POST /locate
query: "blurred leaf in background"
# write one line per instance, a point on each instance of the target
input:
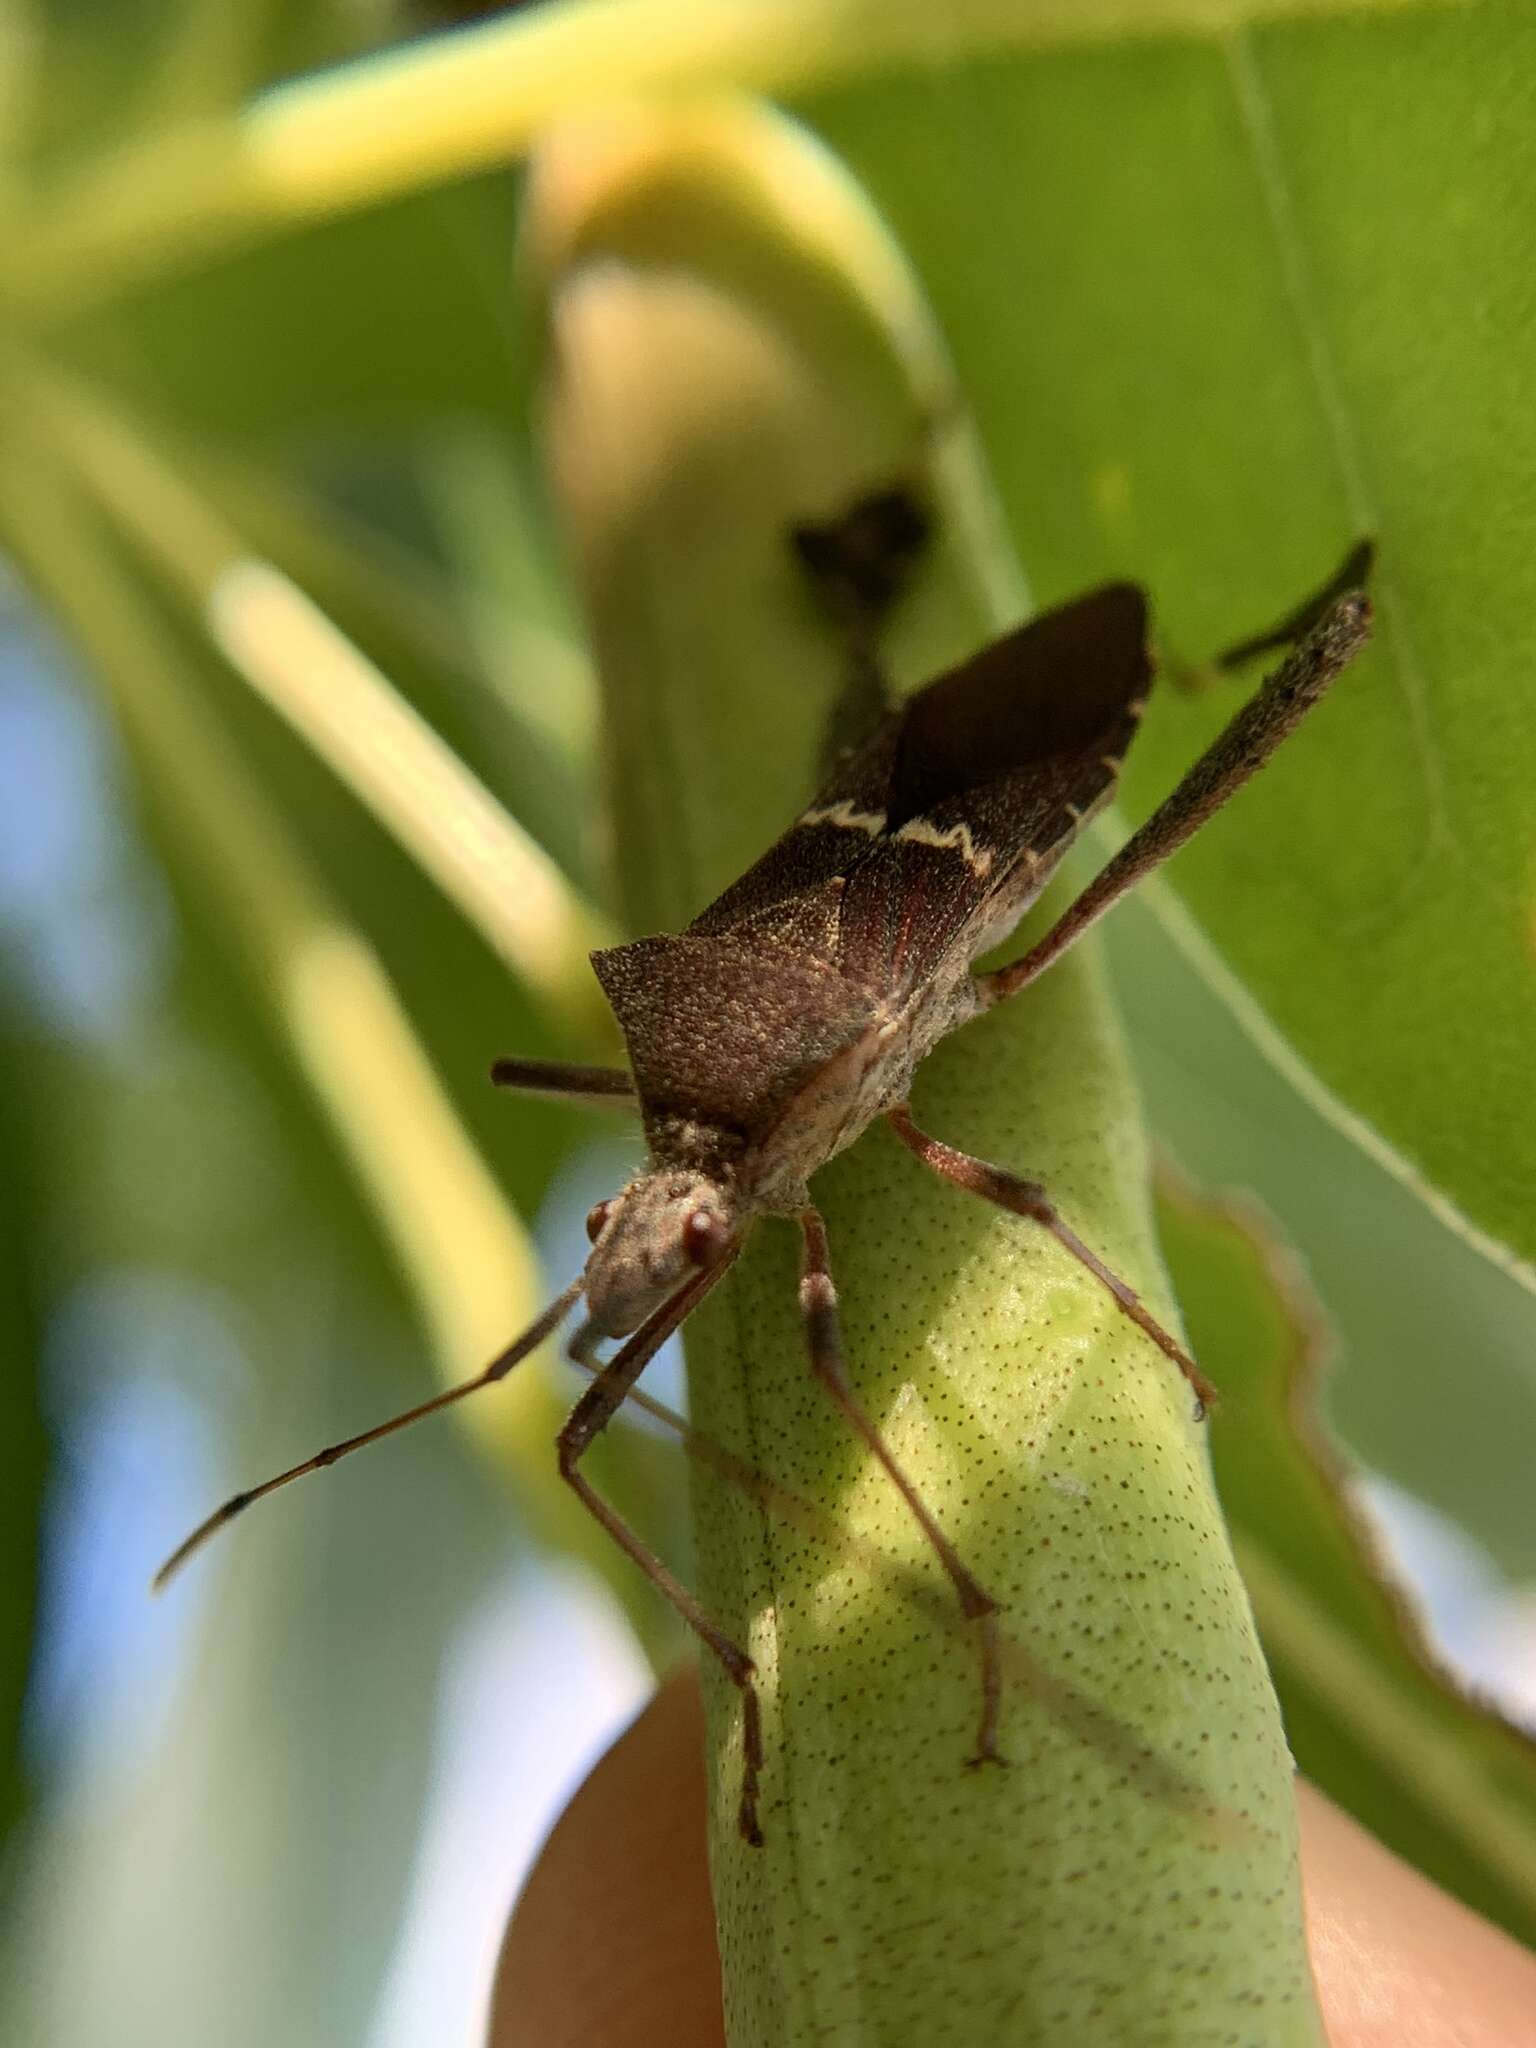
(219, 1221)
(1219, 307)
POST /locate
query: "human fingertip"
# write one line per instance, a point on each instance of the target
(613, 1936)
(1398, 1962)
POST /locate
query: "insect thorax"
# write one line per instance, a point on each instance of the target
(691, 1145)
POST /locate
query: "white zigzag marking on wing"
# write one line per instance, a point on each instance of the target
(921, 833)
(843, 813)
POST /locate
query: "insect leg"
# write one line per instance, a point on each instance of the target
(861, 562)
(818, 1304)
(860, 565)
(1028, 1198)
(585, 1422)
(607, 1085)
(1237, 752)
(1353, 573)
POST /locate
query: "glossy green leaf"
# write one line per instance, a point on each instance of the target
(1242, 311)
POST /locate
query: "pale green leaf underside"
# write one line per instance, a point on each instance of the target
(1371, 1715)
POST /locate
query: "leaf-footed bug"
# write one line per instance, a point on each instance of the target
(795, 1008)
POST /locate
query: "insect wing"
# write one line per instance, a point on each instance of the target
(1046, 696)
(995, 768)
(723, 1032)
(951, 818)
(787, 893)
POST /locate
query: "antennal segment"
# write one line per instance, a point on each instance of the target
(498, 1368)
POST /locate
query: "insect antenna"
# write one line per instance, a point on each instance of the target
(499, 1366)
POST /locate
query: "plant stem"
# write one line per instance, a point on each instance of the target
(733, 347)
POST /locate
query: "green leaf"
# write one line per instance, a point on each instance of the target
(251, 1148)
(464, 1253)
(1371, 1714)
(317, 340)
(1435, 1379)
(735, 346)
(242, 1796)
(1243, 311)
(1220, 305)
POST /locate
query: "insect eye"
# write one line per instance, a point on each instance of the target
(704, 1236)
(597, 1216)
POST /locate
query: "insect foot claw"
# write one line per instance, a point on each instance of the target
(987, 1756)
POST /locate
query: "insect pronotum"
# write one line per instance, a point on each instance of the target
(795, 1008)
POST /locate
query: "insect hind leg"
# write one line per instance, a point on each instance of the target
(818, 1306)
(1028, 1198)
(1353, 573)
(583, 1425)
(861, 562)
(860, 565)
(1233, 757)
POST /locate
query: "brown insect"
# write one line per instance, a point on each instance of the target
(795, 1009)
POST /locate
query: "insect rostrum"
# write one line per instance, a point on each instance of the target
(795, 1008)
